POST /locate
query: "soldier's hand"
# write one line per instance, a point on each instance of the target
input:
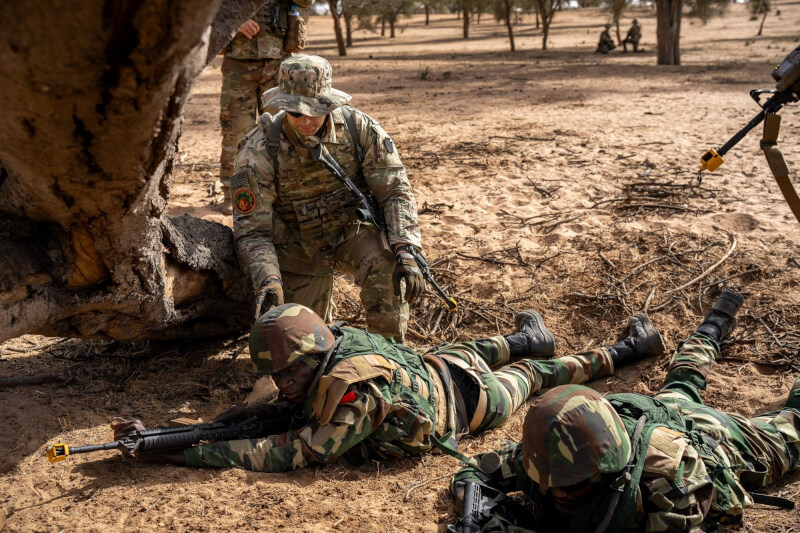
(249, 29)
(268, 296)
(406, 268)
(235, 412)
(125, 428)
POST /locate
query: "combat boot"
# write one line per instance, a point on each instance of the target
(720, 321)
(644, 340)
(226, 206)
(531, 338)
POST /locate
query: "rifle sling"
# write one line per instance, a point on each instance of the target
(769, 144)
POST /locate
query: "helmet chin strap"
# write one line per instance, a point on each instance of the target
(323, 364)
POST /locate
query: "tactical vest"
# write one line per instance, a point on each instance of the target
(411, 419)
(309, 197)
(630, 408)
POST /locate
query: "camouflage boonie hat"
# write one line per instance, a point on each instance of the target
(287, 334)
(304, 86)
(570, 434)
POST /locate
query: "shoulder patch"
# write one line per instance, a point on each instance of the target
(244, 200)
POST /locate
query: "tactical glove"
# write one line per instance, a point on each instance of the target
(268, 296)
(407, 269)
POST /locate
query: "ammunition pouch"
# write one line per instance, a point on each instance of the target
(296, 38)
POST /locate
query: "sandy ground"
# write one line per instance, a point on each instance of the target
(558, 180)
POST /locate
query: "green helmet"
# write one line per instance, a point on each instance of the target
(571, 434)
(287, 334)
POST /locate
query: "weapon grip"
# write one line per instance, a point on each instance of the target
(471, 512)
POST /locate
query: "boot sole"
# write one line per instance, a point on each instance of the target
(538, 324)
(658, 346)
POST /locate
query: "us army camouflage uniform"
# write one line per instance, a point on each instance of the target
(249, 67)
(691, 481)
(377, 400)
(303, 226)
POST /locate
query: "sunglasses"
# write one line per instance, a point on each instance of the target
(295, 114)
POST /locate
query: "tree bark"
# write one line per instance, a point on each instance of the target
(465, 24)
(427, 14)
(391, 29)
(91, 117)
(337, 28)
(348, 29)
(668, 31)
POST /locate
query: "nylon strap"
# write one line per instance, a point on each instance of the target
(351, 126)
(777, 164)
(774, 501)
(274, 141)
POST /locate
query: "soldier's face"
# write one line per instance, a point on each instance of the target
(307, 126)
(294, 381)
(569, 498)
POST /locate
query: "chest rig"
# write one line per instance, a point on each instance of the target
(309, 197)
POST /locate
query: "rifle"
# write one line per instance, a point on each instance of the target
(175, 438)
(369, 211)
(786, 91)
(479, 505)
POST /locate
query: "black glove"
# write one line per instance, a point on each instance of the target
(407, 269)
(268, 296)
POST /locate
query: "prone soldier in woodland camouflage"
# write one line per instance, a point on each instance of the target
(294, 222)
(250, 67)
(358, 395)
(606, 43)
(630, 462)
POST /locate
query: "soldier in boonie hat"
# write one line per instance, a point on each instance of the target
(304, 86)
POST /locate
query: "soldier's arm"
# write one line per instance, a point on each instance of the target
(386, 177)
(352, 421)
(253, 194)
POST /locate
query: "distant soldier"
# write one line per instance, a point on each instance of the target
(356, 395)
(295, 223)
(250, 67)
(606, 43)
(630, 462)
(633, 37)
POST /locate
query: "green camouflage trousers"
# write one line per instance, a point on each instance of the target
(500, 393)
(365, 258)
(763, 448)
(243, 82)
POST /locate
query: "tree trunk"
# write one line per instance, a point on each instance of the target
(537, 19)
(761, 27)
(383, 26)
(337, 28)
(348, 28)
(91, 117)
(465, 24)
(507, 4)
(391, 29)
(668, 31)
(427, 14)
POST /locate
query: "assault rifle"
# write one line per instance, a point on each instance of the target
(786, 91)
(369, 211)
(176, 438)
(479, 506)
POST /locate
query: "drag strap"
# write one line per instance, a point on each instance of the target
(772, 126)
(774, 501)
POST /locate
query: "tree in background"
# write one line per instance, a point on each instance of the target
(547, 9)
(617, 7)
(668, 31)
(337, 26)
(706, 9)
(391, 10)
(759, 7)
(503, 12)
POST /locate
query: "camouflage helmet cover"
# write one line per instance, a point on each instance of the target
(304, 86)
(287, 334)
(570, 434)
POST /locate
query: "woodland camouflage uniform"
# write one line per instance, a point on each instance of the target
(376, 399)
(695, 464)
(249, 67)
(301, 224)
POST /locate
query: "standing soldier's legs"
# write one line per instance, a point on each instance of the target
(372, 266)
(312, 291)
(238, 105)
(268, 80)
(492, 397)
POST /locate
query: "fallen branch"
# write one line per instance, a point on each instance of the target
(33, 380)
(423, 483)
(708, 270)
